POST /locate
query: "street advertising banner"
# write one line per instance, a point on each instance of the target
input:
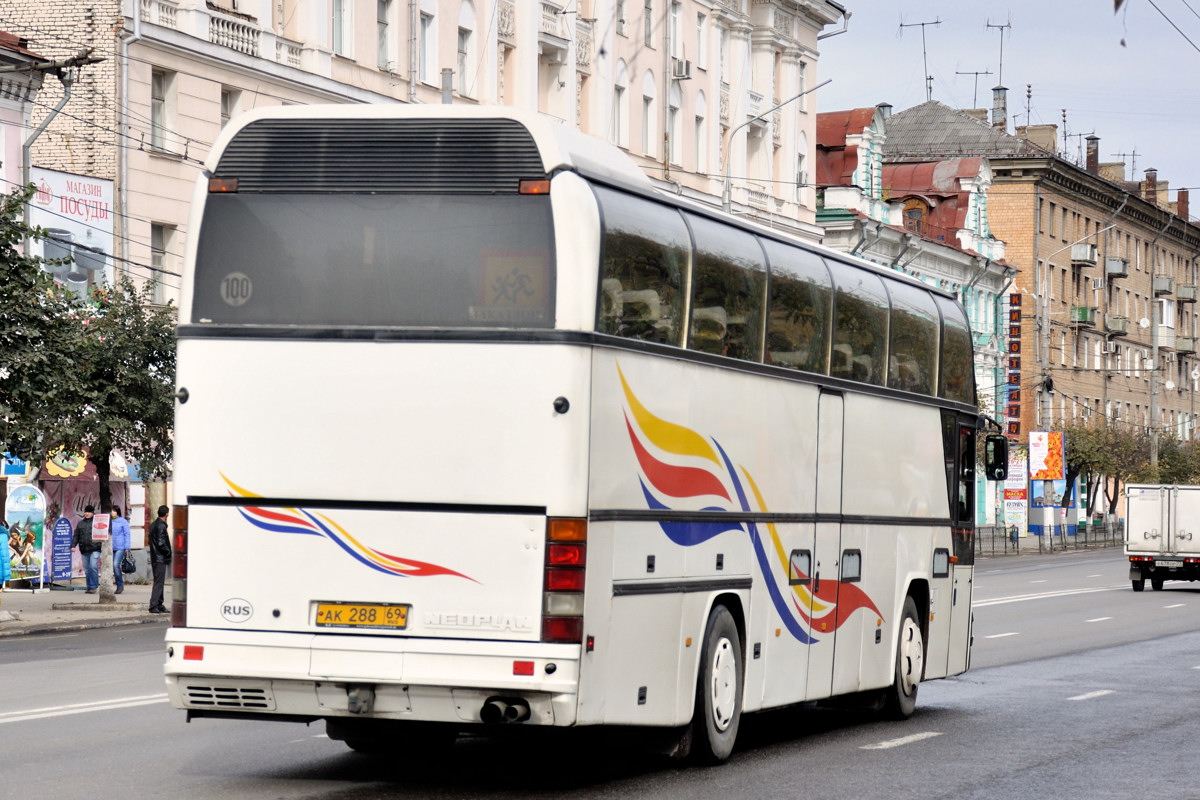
(76, 210)
(1016, 493)
(100, 522)
(60, 550)
(1046, 455)
(25, 511)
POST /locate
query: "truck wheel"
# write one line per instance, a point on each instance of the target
(1139, 584)
(718, 690)
(1156, 584)
(901, 700)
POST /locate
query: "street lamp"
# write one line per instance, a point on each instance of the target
(727, 193)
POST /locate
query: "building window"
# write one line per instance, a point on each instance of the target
(160, 243)
(621, 18)
(340, 27)
(648, 125)
(162, 108)
(230, 99)
(425, 48)
(675, 125)
(915, 212)
(676, 31)
(648, 23)
(464, 42)
(618, 117)
(701, 145)
(702, 41)
(383, 49)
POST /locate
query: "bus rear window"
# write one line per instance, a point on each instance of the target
(376, 260)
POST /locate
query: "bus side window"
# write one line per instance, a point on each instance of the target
(642, 267)
(957, 369)
(860, 325)
(728, 291)
(798, 317)
(913, 339)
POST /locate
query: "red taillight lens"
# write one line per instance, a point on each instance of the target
(566, 555)
(564, 580)
(562, 629)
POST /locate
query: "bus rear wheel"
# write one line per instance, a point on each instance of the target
(718, 689)
(901, 699)
(1156, 584)
(1139, 584)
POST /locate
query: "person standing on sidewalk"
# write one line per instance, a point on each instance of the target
(89, 550)
(122, 540)
(160, 559)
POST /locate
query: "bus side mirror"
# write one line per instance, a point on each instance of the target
(995, 457)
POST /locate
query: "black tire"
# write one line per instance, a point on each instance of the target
(901, 699)
(719, 689)
(1156, 584)
(1138, 584)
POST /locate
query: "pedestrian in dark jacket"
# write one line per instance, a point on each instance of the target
(160, 559)
(89, 551)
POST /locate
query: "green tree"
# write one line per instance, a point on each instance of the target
(1106, 456)
(40, 341)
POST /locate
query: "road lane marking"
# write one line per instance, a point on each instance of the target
(1092, 695)
(1041, 581)
(889, 744)
(1002, 635)
(1020, 598)
(1175, 605)
(1099, 619)
(81, 708)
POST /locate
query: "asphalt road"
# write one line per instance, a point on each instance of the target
(1080, 689)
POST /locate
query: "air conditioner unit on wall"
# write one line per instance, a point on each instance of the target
(1112, 347)
(1097, 283)
(681, 69)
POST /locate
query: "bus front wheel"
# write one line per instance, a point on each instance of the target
(901, 699)
(718, 690)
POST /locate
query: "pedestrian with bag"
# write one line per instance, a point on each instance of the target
(89, 551)
(121, 542)
(160, 559)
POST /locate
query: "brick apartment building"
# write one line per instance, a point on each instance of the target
(1102, 316)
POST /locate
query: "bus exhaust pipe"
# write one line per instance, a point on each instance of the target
(503, 710)
(517, 711)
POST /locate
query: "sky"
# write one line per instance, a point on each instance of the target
(1131, 77)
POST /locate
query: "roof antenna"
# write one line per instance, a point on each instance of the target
(924, 54)
(1002, 28)
(975, 96)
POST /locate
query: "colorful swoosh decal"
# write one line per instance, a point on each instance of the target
(304, 522)
(679, 468)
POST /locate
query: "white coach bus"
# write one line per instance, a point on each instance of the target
(477, 428)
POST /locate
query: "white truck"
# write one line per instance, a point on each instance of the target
(1161, 526)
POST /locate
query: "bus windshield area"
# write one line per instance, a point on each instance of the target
(383, 260)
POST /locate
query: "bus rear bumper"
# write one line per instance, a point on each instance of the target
(213, 673)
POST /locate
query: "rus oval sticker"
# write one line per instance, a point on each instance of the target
(236, 609)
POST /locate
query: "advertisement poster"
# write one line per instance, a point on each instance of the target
(77, 212)
(1046, 455)
(1016, 493)
(67, 498)
(61, 550)
(25, 511)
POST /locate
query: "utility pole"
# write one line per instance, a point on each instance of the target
(924, 54)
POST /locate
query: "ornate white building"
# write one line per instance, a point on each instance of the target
(703, 94)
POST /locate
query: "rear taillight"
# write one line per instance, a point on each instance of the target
(562, 597)
(179, 567)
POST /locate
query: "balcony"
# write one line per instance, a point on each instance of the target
(1083, 316)
(1116, 267)
(1116, 325)
(1185, 344)
(1186, 293)
(1083, 255)
(1163, 284)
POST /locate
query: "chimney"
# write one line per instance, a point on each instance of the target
(1000, 108)
(1093, 155)
(1181, 204)
(1150, 186)
(885, 110)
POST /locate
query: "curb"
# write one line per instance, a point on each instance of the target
(34, 630)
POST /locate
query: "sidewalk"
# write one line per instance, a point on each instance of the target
(23, 612)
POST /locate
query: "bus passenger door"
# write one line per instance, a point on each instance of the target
(954, 572)
(830, 418)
